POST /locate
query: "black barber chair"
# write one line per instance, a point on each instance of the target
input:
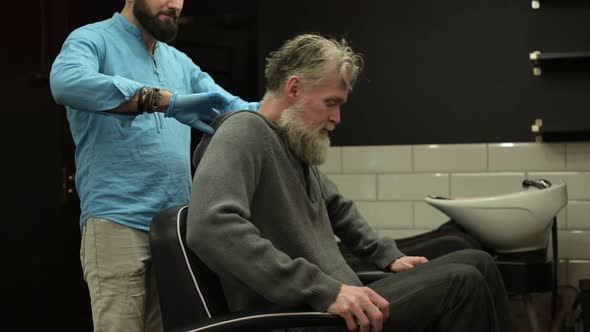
(191, 297)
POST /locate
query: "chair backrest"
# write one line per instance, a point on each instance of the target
(189, 291)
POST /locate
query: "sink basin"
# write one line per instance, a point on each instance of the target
(507, 223)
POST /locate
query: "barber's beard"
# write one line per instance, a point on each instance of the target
(311, 145)
(164, 31)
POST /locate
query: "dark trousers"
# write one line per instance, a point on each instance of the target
(460, 291)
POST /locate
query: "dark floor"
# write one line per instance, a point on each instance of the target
(563, 322)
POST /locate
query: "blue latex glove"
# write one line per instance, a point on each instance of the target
(194, 109)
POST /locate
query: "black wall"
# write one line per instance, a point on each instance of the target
(454, 71)
(40, 237)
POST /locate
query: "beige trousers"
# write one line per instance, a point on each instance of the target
(116, 264)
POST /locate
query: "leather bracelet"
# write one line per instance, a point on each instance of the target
(155, 101)
(141, 99)
(148, 100)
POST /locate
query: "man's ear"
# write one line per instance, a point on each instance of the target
(293, 87)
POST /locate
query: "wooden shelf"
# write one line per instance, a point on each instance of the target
(549, 133)
(566, 60)
(536, 4)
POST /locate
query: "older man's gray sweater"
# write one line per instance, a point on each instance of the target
(265, 222)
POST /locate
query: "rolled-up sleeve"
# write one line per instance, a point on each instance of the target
(76, 80)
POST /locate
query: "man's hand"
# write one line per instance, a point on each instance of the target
(406, 263)
(195, 109)
(360, 307)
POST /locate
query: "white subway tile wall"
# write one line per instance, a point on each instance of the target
(378, 159)
(574, 244)
(357, 186)
(333, 163)
(389, 184)
(452, 157)
(412, 186)
(577, 157)
(578, 215)
(562, 219)
(387, 215)
(526, 157)
(426, 216)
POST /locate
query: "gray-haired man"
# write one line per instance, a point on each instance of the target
(266, 220)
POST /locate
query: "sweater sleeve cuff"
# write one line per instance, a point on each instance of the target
(388, 256)
(324, 292)
(386, 260)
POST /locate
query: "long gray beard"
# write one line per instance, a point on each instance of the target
(310, 145)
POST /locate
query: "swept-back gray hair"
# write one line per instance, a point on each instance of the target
(310, 56)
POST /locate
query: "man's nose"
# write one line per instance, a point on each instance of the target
(175, 4)
(335, 116)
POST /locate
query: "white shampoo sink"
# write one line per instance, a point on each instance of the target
(508, 223)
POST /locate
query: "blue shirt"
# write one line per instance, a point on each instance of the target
(128, 168)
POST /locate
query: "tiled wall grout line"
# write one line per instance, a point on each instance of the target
(450, 175)
(341, 152)
(566, 155)
(377, 184)
(412, 159)
(413, 214)
(487, 157)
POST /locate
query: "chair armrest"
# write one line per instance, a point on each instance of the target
(368, 277)
(268, 318)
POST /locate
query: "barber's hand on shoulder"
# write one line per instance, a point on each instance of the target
(196, 109)
(406, 263)
(361, 307)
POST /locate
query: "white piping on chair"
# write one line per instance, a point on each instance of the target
(187, 261)
(283, 314)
